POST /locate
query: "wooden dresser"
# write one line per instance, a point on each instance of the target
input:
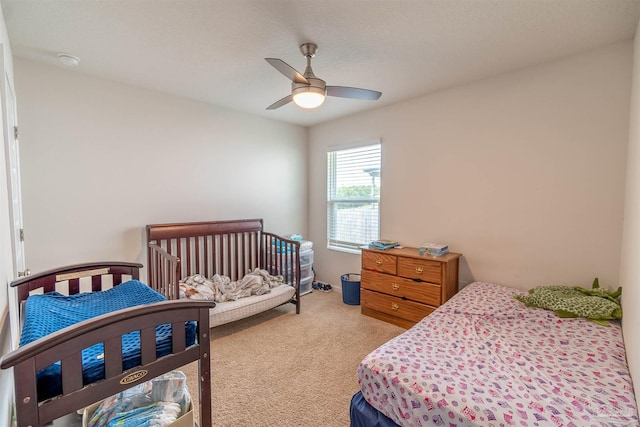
(400, 286)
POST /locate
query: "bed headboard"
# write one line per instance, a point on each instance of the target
(231, 248)
(94, 272)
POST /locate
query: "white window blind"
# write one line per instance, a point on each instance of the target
(353, 196)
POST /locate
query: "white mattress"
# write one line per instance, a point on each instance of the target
(230, 311)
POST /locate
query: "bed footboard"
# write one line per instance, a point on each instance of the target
(67, 344)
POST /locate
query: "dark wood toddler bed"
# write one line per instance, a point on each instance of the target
(67, 345)
(230, 248)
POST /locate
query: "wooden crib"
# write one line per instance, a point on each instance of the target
(67, 344)
(231, 248)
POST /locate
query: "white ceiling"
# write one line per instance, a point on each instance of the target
(213, 50)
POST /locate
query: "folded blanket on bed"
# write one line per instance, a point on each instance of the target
(51, 312)
(221, 289)
(595, 304)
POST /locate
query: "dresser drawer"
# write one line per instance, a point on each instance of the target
(378, 262)
(423, 292)
(393, 306)
(422, 269)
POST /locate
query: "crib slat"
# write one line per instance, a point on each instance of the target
(196, 243)
(187, 249)
(178, 252)
(74, 286)
(155, 268)
(148, 345)
(117, 279)
(178, 337)
(71, 368)
(262, 252)
(227, 268)
(255, 249)
(246, 254)
(237, 259)
(215, 245)
(96, 283)
(238, 255)
(113, 357)
(207, 268)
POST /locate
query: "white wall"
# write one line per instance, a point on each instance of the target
(6, 260)
(629, 265)
(100, 160)
(523, 173)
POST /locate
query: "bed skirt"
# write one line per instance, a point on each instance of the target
(365, 415)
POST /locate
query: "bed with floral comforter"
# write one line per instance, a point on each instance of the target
(486, 359)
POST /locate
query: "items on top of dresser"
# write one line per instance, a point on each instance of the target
(383, 244)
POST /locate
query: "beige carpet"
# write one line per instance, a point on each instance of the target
(282, 369)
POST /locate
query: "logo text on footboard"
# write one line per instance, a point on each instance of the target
(133, 377)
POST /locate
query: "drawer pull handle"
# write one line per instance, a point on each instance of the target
(378, 262)
(395, 286)
(395, 306)
(419, 270)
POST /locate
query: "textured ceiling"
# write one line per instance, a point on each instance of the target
(213, 50)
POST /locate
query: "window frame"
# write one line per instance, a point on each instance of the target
(333, 243)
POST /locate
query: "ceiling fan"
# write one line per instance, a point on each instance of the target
(309, 91)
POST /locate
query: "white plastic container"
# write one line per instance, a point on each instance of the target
(306, 257)
(305, 285)
(306, 272)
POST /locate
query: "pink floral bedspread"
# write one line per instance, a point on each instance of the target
(484, 359)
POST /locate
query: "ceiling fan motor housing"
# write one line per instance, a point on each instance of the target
(315, 85)
(308, 49)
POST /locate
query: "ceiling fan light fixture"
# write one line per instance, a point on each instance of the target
(309, 95)
(308, 99)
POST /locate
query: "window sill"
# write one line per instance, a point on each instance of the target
(347, 250)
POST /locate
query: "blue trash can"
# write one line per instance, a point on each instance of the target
(351, 288)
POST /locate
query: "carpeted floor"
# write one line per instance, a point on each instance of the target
(282, 369)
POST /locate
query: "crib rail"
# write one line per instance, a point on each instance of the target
(164, 272)
(67, 344)
(281, 257)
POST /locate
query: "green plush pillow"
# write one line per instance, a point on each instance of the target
(595, 304)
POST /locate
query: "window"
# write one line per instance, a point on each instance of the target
(353, 196)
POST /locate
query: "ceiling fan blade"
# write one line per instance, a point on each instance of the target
(353, 92)
(287, 99)
(287, 70)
